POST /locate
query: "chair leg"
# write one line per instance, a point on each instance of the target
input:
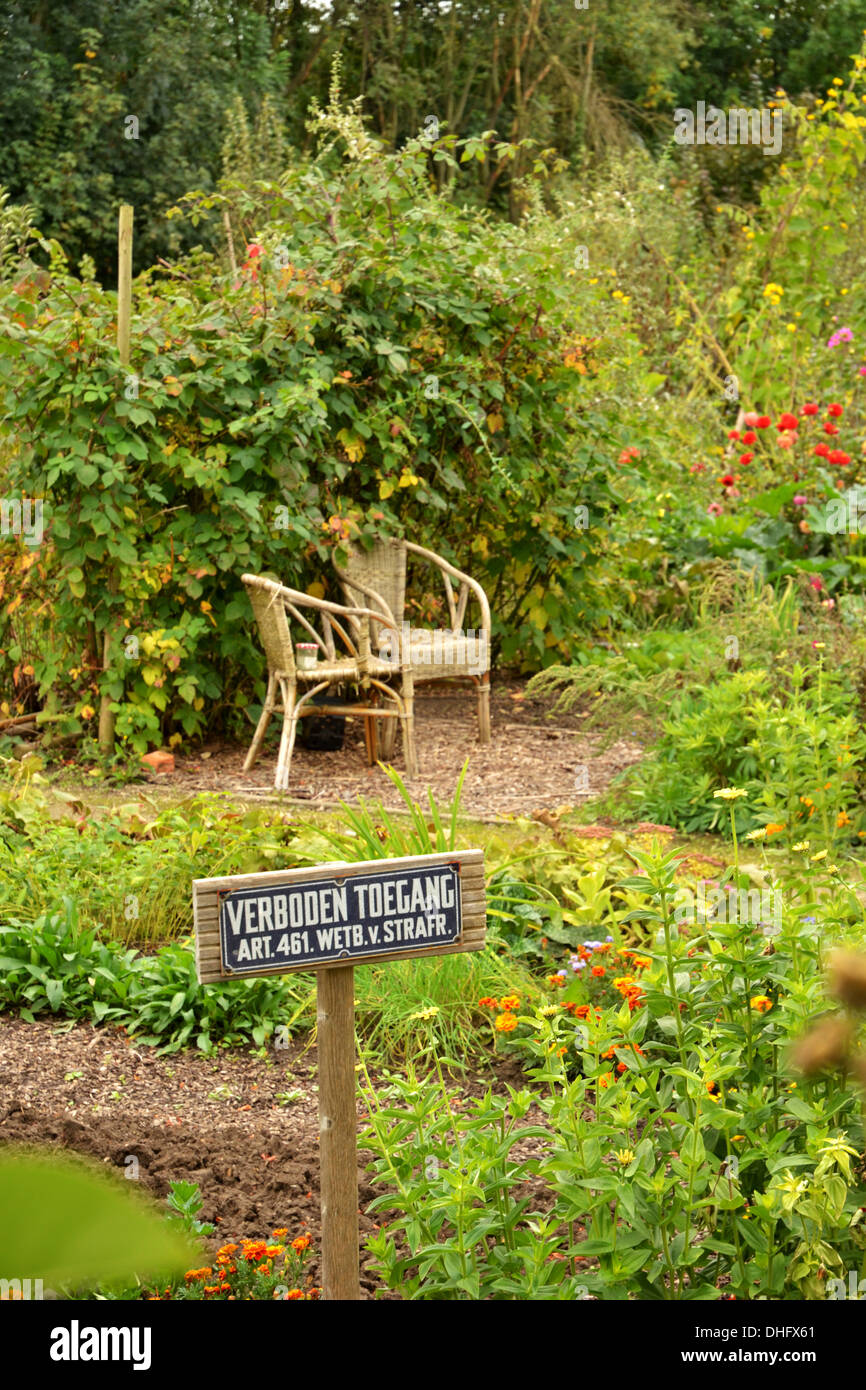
(261, 727)
(387, 737)
(407, 720)
(484, 708)
(287, 739)
(370, 739)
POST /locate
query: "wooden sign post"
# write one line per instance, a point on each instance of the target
(328, 919)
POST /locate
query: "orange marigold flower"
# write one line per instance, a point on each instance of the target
(294, 1294)
(761, 1003)
(263, 1269)
(598, 971)
(485, 1003)
(581, 1010)
(506, 1023)
(284, 1230)
(254, 1250)
(301, 1243)
(274, 1250)
(509, 1002)
(843, 819)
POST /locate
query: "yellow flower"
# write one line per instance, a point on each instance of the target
(822, 854)
(729, 793)
(759, 834)
(430, 1012)
(625, 1156)
(549, 1010)
(801, 845)
(761, 1004)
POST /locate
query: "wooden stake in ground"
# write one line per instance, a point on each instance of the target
(330, 918)
(124, 316)
(335, 1016)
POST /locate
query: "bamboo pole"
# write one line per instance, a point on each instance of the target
(124, 281)
(337, 1133)
(124, 316)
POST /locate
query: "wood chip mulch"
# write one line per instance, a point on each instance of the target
(533, 762)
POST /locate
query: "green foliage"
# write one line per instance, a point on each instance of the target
(797, 751)
(676, 1160)
(64, 1223)
(54, 966)
(387, 360)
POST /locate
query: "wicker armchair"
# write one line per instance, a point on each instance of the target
(378, 576)
(272, 605)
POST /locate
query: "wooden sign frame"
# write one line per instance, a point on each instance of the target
(209, 892)
(335, 1015)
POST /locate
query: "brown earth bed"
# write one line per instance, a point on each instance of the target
(214, 1121)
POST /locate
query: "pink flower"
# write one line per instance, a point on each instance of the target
(786, 441)
(800, 500)
(714, 509)
(828, 603)
(698, 468)
(842, 335)
(816, 582)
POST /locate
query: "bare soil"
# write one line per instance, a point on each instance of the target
(225, 1123)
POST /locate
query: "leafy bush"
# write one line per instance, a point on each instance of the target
(797, 753)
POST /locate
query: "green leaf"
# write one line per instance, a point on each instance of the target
(65, 1223)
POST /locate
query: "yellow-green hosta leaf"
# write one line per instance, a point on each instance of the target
(64, 1223)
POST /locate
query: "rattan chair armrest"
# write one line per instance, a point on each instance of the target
(455, 573)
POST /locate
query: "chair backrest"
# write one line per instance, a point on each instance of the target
(382, 569)
(270, 613)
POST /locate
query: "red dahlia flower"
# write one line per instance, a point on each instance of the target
(834, 409)
(830, 429)
(822, 450)
(750, 437)
(787, 422)
(733, 434)
(746, 458)
(838, 456)
(763, 422)
(810, 408)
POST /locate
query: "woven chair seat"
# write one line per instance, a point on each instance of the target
(440, 654)
(346, 670)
